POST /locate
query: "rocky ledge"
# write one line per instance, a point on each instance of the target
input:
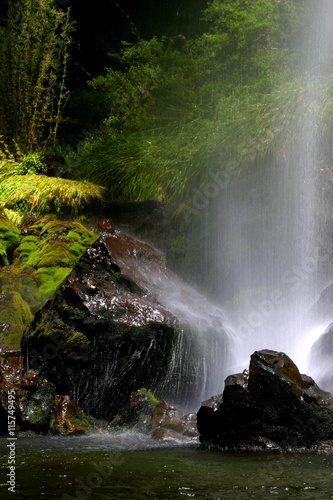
(271, 406)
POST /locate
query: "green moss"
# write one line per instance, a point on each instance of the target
(150, 395)
(48, 279)
(31, 434)
(10, 237)
(15, 315)
(52, 248)
(27, 248)
(43, 328)
(77, 346)
(57, 244)
(3, 256)
(52, 422)
(20, 281)
(42, 259)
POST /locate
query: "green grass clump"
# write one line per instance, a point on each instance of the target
(39, 194)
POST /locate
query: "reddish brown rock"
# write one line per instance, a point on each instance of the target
(107, 225)
(68, 417)
(169, 421)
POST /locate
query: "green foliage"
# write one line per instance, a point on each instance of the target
(10, 238)
(179, 111)
(252, 40)
(39, 194)
(34, 42)
(32, 164)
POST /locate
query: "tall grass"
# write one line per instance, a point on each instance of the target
(38, 194)
(171, 161)
(34, 41)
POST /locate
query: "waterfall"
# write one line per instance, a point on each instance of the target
(274, 250)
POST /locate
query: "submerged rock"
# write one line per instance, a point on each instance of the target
(277, 405)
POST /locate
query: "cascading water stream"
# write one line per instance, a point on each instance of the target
(276, 255)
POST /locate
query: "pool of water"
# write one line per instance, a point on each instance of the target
(134, 467)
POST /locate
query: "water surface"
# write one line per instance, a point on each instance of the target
(133, 467)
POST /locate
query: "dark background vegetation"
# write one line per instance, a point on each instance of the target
(163, 96)
(102, 25)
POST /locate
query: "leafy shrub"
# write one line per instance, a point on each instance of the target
(32, 164)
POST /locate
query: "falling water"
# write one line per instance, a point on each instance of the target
(272, 242)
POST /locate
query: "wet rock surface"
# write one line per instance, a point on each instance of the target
(144, 413)
(38, 408)
(36, 398)
(69, 418)
(276, 407)
(101, 336)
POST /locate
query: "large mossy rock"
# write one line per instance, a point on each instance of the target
(101, 336)
(275, 403)
(36, 260)
(51, 247)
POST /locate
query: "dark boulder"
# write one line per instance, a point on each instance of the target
(276, 405)
(56, 165)
(36, 400)
(101, 336)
